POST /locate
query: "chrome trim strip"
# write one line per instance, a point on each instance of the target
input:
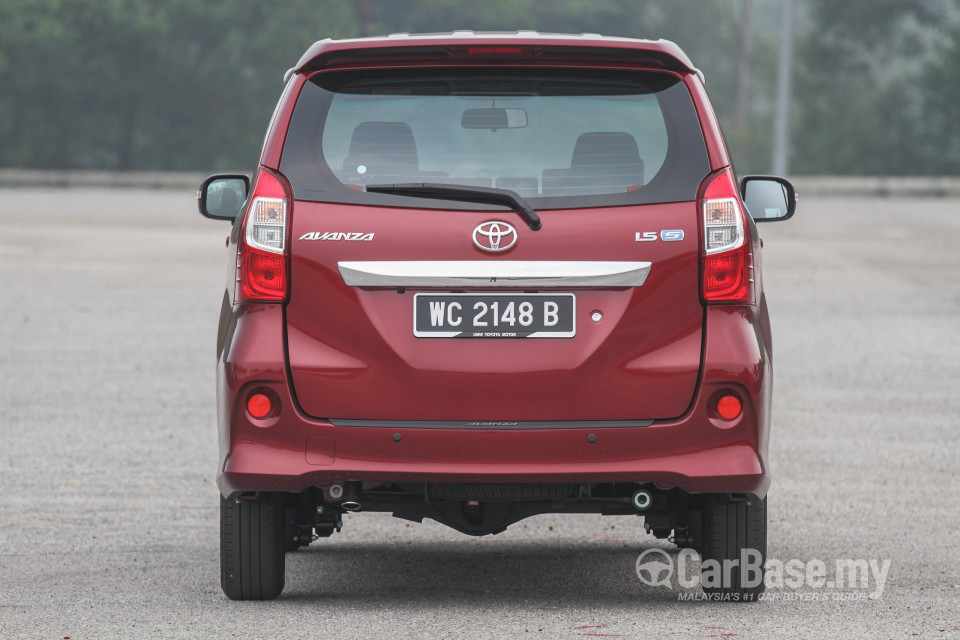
(491, 426)
(493, 273)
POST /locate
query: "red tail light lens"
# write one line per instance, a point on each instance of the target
(728, 257)
(726, 277)
(262, 260)
(263, 276)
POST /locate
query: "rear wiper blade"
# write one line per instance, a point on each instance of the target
(464, 193)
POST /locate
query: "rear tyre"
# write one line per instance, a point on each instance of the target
(734, 548)
(251, 548)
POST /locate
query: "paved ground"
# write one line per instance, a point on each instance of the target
(108, 518)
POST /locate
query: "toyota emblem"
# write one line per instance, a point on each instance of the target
(495, 236)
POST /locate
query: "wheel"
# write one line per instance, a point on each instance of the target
(734, 548)
(251, 548)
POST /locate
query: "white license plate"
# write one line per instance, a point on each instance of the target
(494, 315)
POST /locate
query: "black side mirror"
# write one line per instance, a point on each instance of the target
(222, 196)
(768, 198)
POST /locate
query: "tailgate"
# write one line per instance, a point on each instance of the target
(597, 345)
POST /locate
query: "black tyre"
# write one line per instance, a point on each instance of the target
(734, 548)
(251, 548)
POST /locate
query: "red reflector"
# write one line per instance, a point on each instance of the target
(729, 407)
(259, 405)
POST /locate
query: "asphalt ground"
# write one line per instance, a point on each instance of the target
(108, 509)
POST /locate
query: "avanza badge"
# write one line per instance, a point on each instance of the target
(337, 235)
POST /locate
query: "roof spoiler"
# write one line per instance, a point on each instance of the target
(492, 48)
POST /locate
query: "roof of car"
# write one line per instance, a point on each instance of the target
(399, 47)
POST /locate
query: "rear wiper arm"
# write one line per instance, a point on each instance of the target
(464, 193)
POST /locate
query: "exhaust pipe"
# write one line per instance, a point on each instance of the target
(642, 500)
(351, 496)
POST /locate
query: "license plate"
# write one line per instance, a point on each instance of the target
(494, 315)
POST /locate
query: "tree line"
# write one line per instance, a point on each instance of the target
(185, 85)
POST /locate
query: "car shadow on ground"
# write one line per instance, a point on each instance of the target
(529, 573)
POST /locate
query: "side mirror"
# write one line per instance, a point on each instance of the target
(768, 198)
(222, 196)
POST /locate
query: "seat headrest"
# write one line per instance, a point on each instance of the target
(605, 148)
(392, 141)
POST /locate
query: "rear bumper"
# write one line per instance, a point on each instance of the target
(735, 468)
(697, 452)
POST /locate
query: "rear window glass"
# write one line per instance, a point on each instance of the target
(560, 138)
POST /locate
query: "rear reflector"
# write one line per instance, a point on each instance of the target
(729, 407)
(259, 406)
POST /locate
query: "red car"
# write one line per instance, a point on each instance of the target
(480, 277)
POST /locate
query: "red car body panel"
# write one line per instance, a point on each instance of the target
(641, 361)
(696, 452)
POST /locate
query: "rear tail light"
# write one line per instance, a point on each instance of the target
(262, 260)
(727, 274)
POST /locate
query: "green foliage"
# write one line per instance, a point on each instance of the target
(180, 84)
(939, 125)
(139, 84)
(871, 82)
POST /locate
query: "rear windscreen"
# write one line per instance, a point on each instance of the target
(559, 138)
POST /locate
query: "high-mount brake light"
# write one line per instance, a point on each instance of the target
(728, 256)
(493, 50)
(262, 263)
